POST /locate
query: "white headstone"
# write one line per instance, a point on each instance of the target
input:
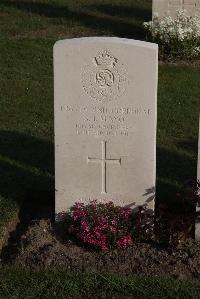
(197, 228)
(163, 8)
(105, 121)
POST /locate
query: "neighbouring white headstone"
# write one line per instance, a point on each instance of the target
(163, 8)
(105, 121)
(197, 228)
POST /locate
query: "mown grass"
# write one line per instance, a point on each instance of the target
(56, 19)
(28, 30)
(18, 283)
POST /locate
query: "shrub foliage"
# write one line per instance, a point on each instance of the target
(178, 37)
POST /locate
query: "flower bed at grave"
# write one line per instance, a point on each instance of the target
(42, 245)
(177, 38)
(106, 226)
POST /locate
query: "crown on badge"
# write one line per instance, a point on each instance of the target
(105, 58)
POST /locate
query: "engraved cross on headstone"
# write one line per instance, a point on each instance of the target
(103, 162)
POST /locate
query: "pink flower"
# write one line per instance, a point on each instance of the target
(104, 246)
(113, 229)
(100, 225)
(114, 222)
(125, 213)
(85, 226)
(124, 242)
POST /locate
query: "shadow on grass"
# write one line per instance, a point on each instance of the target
(27, 170)
(188, 145)
(42, 9)
(134, 11)
(26, 178)
(174, 169)
(109, 19)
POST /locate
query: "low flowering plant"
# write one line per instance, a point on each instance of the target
(101, 225)
(178, 37)
(106, 226)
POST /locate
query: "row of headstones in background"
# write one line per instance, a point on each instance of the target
(105, 121)
(163, 8)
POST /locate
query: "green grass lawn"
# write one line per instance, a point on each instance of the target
(28, 30)
(16, 283)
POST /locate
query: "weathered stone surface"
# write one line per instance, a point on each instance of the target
(105, 121)
(163, 8)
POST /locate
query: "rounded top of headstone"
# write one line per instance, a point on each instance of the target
(106, 39)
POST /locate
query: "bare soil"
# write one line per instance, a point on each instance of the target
(38, 244)
(41, 248)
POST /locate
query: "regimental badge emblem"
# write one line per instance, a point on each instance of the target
(105, 78)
